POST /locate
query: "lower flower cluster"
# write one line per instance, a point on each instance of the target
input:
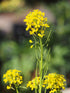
(53, 82)
(34, 83)
(12, 77)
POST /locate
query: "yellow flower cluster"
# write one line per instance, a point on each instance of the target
(12, 77)
(52, 81)
(36, 22)
(34, 83)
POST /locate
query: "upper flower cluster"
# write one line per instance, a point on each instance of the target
(12, 77)
(36, 22)
(52, 81)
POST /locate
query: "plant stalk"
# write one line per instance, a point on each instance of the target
(17, 90)
(40, 68)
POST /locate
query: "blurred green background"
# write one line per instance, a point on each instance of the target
(15, 52)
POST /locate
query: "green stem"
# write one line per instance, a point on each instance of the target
(45, 90)
(17, 90)
(41, 46)
(37, 63)
(36, 67)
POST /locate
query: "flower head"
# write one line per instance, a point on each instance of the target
(30, 41)
(34, 83)
(36, 22)
(54, 82)
(31, 46)
(12, 77)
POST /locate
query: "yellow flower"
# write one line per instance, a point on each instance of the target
(4, 75)
(30, 41)
(8, 87)
(53, 91)
(43, 85)
(5, 80)
(31, 32)
(40, 35)
(42, 31)
(31, 46)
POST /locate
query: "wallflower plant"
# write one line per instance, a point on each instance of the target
(36, 23)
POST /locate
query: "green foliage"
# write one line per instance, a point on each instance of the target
(8, 49)
(60, 39)
(58, 62)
